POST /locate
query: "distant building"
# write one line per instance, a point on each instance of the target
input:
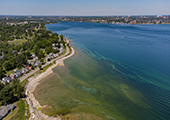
(133, 22)
(25, 22)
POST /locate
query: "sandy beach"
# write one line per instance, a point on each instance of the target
(34, 105)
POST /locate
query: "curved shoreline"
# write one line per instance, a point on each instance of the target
(34, 105)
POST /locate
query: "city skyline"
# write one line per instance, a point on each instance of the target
(84, 8)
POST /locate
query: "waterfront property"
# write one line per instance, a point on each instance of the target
(6, 79)
(5, 110)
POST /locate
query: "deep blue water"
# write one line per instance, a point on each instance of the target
(141, 53)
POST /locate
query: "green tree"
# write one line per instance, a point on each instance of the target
(48, 49)
(28, 55)
(2, 72)
(7, 65)
(40, 54)
(56, 51)
(17, 88)
(32, 68)
(40, 67)
(62, 37)
(11, 92)
(6, 95)
(42, 60)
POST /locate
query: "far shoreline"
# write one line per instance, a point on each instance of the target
(115, 23)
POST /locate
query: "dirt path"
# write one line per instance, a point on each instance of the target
(31, 86)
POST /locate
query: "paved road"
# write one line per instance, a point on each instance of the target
(36, 69)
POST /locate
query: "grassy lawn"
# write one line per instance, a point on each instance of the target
(21, 40)
(19, 112)
(9, 72)
(24, 82)
(18, 42)
(45, 68)
(70, 50)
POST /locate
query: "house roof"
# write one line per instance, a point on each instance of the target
(7, 78)
(4, 110)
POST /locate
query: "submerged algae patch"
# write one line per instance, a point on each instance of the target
(85, 86)
(90, 90)
(134, 95)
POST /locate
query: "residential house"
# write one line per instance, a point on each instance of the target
(52, 57)
(36, 58)
(25, 22)
(7, 79)
(38, 63)
(18, 73)
(61, 50)
(13, 52)
(31, 63)
(48, 58)
(30, 68)
(24, 71)
(54, 47)
(5, 110)
(27, 69)
(59, 40)
(56, 55)
(1, 57)
(33, 55)
(61, 44)
(50, 54)
(13, 76)
(15, 70)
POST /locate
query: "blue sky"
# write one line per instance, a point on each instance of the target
(84, 7)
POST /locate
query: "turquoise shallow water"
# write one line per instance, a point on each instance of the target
(131, 70)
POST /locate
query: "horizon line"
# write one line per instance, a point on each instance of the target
(86, 15)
